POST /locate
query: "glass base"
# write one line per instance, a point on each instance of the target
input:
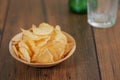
(101, 25)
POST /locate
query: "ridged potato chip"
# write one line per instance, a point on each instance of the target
(15, 50)
(23, 44)
(43, 57)
(32, 36)
(30, 43)
(56, 49)
(59, 35)
(42, 42)
(67, 49)
(25, 53)
(43, 29)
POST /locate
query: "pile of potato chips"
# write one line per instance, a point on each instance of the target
(42, 44)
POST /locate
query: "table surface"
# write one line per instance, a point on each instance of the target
(97, 56)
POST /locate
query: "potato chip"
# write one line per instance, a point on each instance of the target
(68, 47)
(59, 35)
(23, 44)
(25, 38)
(30, 43)
(16, 39)
(15, 50)
(42, 42)
(56, 49)
(21, 56)
(25, 53)
(43, 57)
(43, 29)
(32, 36)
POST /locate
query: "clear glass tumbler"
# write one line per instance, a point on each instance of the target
(102, 13)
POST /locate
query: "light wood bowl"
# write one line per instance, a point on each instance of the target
(19, 35)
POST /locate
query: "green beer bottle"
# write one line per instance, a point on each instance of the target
(78, 6)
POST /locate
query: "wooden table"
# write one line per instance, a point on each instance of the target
(97, 56)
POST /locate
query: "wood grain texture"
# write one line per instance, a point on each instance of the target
(76, 25)
(23, 13)
(108, 50)
(3, 15)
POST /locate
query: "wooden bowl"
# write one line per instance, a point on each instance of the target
(19, 35)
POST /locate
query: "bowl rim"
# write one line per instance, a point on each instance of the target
(42, 64)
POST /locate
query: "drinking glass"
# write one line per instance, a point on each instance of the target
(102, 13)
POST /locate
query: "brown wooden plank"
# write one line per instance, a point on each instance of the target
(3, 14)
(108, 50)
(22, 13)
